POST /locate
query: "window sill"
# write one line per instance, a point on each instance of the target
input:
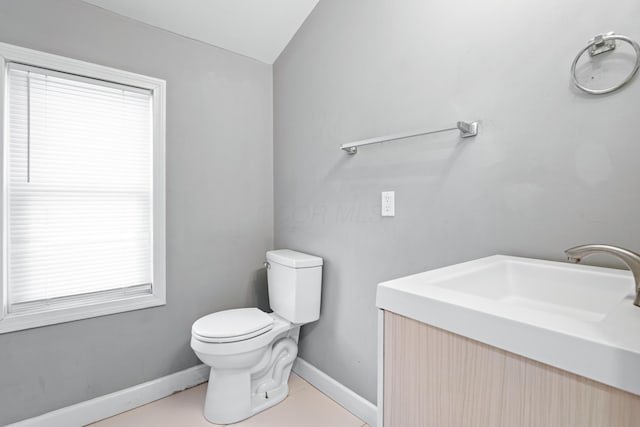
(21, 321)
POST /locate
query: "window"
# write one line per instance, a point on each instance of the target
(83, 198)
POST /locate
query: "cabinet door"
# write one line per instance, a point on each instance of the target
(433, 378)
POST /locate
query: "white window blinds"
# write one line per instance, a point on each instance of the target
(79, 189)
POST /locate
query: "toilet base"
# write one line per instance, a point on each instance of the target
(226, 404)
(227, 399)
(237, 394)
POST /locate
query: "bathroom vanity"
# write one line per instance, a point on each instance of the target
(509, 342)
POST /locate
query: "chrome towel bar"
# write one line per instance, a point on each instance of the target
(467, 129)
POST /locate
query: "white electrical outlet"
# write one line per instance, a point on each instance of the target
(388, 203)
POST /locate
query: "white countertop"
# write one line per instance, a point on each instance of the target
(602, 346)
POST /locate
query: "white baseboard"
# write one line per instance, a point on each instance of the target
(112, 404)
(352, 402)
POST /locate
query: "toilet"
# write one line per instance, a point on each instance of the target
(251, 352)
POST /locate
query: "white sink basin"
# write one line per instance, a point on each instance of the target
(563, 289)
(577, 318)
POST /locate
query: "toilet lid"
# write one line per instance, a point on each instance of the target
(232, 325)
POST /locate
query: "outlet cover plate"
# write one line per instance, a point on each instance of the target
(388, 203)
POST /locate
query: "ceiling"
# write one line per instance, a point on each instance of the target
(259, 29)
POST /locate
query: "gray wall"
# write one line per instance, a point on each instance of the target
(551, 167)
(219, 207)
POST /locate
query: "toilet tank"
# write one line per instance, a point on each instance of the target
(294, 281)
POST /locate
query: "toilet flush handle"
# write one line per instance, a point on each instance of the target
(267, 265)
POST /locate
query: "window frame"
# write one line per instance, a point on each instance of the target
(25, 320)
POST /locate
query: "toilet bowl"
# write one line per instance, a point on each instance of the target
(251, 352)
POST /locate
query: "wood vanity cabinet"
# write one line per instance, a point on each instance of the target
(433, 378)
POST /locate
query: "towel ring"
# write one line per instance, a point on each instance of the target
(600, 44)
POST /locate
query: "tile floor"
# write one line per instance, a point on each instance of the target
(305, 407)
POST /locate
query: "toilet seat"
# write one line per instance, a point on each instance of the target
(232, 325)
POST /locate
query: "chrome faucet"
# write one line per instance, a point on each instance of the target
(631, 259)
